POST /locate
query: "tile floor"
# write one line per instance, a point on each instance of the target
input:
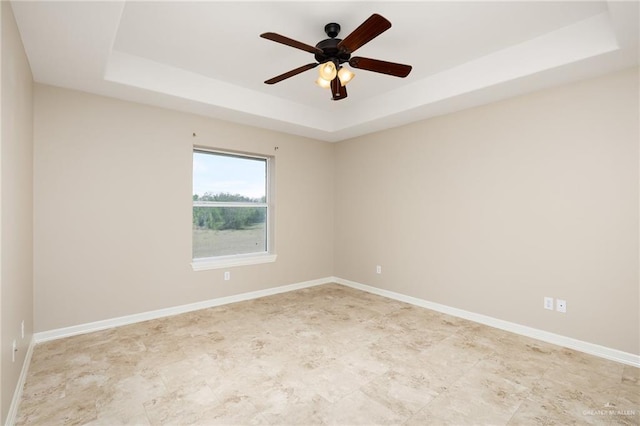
(323, 355)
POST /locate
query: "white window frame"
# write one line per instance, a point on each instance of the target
(228, 261)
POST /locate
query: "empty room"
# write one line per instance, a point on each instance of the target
(320, 213)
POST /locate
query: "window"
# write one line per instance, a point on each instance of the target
(231, 210)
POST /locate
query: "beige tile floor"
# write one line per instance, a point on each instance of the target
(323, 355)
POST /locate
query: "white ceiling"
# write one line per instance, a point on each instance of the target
(206, 57)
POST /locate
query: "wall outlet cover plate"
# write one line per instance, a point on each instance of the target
(561, 305)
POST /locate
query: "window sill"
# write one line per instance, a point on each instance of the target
(231, 261)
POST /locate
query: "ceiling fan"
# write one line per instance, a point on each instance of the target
(333, 52)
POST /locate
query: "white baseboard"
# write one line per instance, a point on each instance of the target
(17, 393)
(545, 336)
(59, 333)
(556, 339)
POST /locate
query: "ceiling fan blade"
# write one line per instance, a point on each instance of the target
(291, 73)
(384, 67)
(367, 31)
(291, 42)
(338, 91)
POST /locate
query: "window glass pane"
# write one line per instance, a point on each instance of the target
(224, 231)
(221, 177)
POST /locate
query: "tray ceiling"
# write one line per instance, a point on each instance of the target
(207, 57)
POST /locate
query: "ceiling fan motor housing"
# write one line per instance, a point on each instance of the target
(330, 52)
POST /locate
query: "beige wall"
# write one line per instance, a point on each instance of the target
(487, 210)
(16, 212)
(493, 208)
(112, 218)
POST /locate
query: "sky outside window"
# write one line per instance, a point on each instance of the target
(227, 174)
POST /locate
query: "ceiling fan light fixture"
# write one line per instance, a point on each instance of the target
(345, 76)
(325, 84)
(328, 71)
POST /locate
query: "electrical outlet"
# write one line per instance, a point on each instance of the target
(227, 275)
(561, 305)
(22, 329)
(378, 269)
(548, 303)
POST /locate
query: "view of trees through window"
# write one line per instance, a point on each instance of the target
(229, 204)
(220, 218)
